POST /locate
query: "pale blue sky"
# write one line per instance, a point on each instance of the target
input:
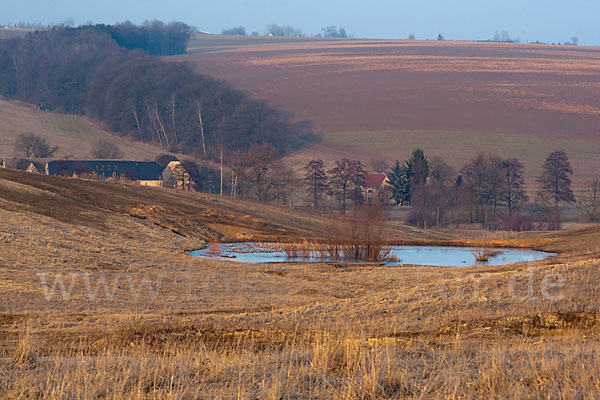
(530, 20)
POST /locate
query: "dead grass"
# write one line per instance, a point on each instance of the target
(201, 328)
(73, 134)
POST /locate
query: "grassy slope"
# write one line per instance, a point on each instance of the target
(384, 97)
(73, 134)
(218, 329)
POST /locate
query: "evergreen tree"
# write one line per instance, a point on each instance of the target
(399, 180)
(417, 170)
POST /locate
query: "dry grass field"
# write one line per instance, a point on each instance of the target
(136, 317)
(74, 134)
(453, 98)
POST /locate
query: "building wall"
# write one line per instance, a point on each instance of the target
(151, 183)
(32, 169)
(176, 176)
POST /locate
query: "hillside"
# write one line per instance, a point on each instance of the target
(197, 216)
(384, 97)
(99, 299)
(74, 134)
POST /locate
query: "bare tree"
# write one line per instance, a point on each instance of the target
(333, 32)
(316, 179)
(555, 181)
(32, 145)
(428, 205)
(588, 201)
(105, 149)
(137, 123)
(280, 183)
(345, 173)
(441, 171)
(513, 193)
(172, 113)
(483, 179)
(201, 125)
(358, 180)
(283, 30)
(236, 31)
(259, 161)
(236, 164)
(555, 184)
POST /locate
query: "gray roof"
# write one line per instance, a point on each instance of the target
(134, 170)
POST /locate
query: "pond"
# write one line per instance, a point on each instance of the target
(438, 256)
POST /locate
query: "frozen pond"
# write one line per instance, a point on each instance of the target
(439, 256)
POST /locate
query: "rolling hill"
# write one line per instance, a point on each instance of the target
(74, 134)
(374, 98)
(99, 299)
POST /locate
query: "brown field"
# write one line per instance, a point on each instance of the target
(167, 325)
(74, 134)
(512, 99)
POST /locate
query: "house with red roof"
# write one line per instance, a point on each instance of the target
(374, 185)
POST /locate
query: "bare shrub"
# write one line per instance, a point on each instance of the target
(362, 235)
(588, 201)
(517, 222)
(106, 150)
(484, 255)
(215, 249)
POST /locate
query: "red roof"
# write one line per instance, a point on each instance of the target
(373, 181)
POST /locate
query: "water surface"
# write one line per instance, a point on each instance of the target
(439, 256)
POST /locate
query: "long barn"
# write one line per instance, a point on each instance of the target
(148, 173)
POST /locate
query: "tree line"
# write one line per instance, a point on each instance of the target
(288, 31)
(84, 71)
(154, 37)
(488, 190)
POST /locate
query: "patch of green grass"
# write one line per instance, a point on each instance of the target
(72, 133)
(457, 148)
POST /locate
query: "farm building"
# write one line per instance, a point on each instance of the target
(143, 172)
(24, 164)
(374, 186)
(179, 174)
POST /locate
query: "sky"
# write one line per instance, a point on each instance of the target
(550, 21)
